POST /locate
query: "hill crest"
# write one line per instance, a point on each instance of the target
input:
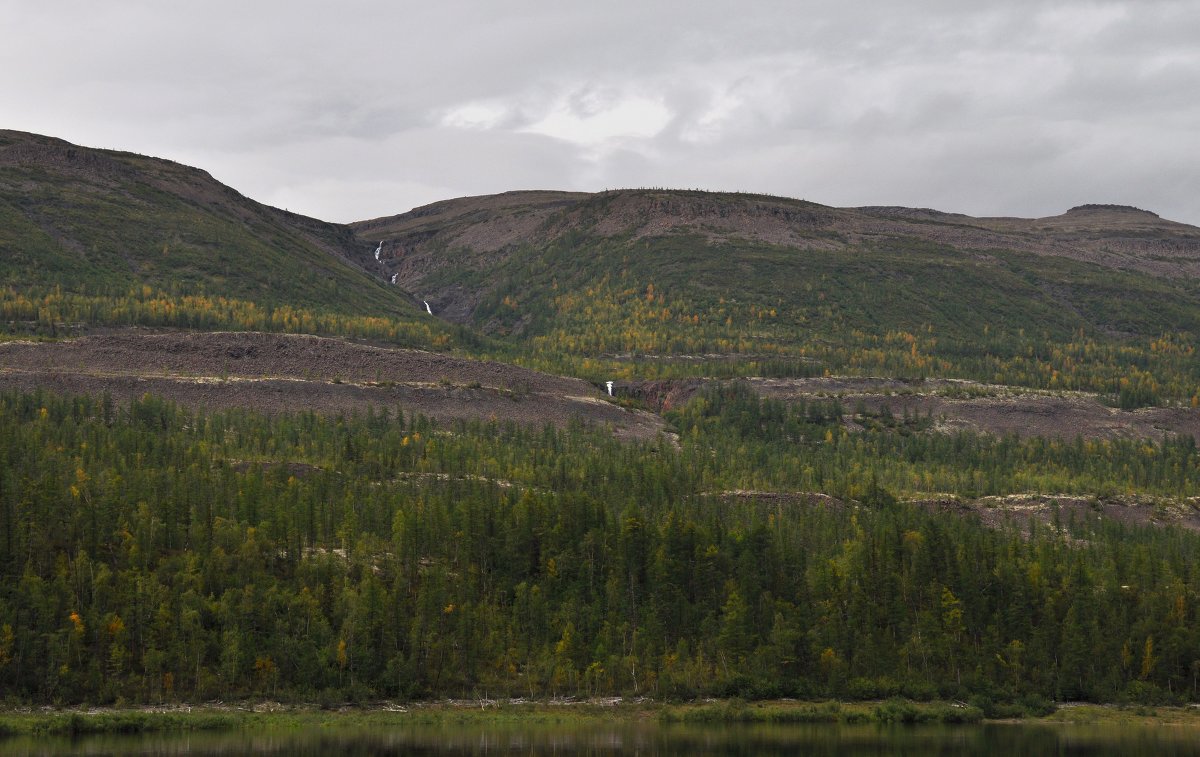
(1112, 236)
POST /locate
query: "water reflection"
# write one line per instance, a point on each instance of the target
(643, 740)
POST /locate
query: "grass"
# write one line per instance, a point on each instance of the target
(118, 722)
(891, 711)
(132, 721)
(1125, 715)
(895, 711)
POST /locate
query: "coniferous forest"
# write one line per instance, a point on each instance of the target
(152, 553)
(346, 519)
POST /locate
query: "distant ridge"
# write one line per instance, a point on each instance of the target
(478, 234)
(1110, 208)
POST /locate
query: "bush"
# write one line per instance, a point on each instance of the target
(1141, 692)
(1036, 706)
(737, 711)
(897, 711)
(959, 714)
(996, 710)
(873, 688)
(1028, 706)
(904, 711)
(825, 712)
(737, 686)
(920, 691)
(76, 724)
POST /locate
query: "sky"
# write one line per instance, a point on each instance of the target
(353, 110)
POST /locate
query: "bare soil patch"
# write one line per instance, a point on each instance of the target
(282, 373)
(991, 409)
(1048, 510)
(1053, 511)
(952, 404)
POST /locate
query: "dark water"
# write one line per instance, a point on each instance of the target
(645, 740)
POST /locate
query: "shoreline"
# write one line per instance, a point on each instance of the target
(221, 716)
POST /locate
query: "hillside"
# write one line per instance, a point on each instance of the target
(115, 237)
(632, 285)
(649, 283)
(1113, 236)
(281, 373)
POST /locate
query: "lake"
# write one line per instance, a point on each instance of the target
(643, 739)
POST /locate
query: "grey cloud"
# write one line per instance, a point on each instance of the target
(342, 110)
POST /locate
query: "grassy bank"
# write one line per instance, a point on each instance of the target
(229, 718)
(890, 711)
(118, 722)
(1101, 715)
(524, 714)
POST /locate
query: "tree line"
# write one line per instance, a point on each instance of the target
(149, 553)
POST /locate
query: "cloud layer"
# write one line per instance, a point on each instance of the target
(360, 109)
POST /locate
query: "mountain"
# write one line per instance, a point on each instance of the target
(95, 239)
(645, 283)
(1113, 236)
(113, 226)
(631, 285)
(628, 285)
(429, 245)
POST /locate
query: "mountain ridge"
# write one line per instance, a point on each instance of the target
(489, 223)
(627, 284)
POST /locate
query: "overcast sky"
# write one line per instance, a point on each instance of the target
(353, 110)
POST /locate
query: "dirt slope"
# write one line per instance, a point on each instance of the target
(1048, 511)
(953, 405)
(992, 409)
(278, 373)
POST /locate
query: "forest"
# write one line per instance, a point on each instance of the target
(152, 553)
(811, 549)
